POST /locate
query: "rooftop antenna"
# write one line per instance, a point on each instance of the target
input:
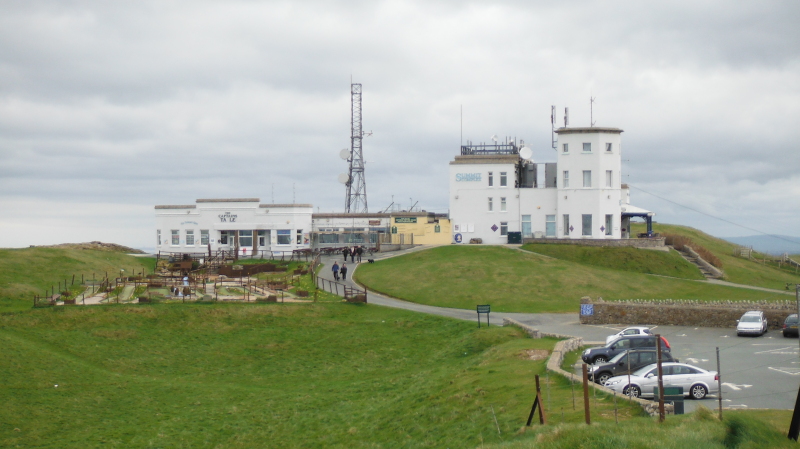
(566, 117)
(553, 125)
(591, 111)
(356, 195)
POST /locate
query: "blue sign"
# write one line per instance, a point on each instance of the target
(458, 238)
(468, 177)
(587, 309)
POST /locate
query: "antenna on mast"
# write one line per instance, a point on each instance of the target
(566, 117)
(591, 111)
(356, 196)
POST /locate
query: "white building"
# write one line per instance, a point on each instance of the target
(494, 191)
(237, 224)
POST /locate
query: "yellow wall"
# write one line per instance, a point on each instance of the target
(424, 232)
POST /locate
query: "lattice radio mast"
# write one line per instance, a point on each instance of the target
(356, 200)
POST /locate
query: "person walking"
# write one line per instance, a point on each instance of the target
(359, 252)
(335, 269)
(346, 252)
(344, 271)
(352, 254)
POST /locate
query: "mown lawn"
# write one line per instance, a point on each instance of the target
(276, 375)
(512, 280)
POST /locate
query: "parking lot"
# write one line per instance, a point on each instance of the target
(756, 372)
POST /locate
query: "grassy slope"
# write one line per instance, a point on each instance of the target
(29, 271)
(626, 259)
(517, 281)
(737, 269)
(238, 375)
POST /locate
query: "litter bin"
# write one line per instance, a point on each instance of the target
(514, 237)
(673, 395)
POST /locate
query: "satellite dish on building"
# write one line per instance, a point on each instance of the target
(344, 178)
(345, 153)
(525, 153)
(494, 138)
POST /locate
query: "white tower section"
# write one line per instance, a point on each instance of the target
(589, 195)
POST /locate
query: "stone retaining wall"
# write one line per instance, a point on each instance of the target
(681, 312)
(571, 344)
(636, 243)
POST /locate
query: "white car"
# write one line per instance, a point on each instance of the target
(637, 330)
(696, 382)
(752, 323)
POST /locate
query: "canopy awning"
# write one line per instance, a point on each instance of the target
(633, 211)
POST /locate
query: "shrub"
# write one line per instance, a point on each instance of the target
(679, 242)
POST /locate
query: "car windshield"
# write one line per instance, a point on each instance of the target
(618, 357)
(750, 319)
(791, 319)
(645, 370)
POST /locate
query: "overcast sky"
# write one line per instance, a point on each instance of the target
(110, 108)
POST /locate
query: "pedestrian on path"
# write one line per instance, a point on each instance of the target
(346, 252)
(335, 269)
(359, 252)
(344, 271)
(352, 255)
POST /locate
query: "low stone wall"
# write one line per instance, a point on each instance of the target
(636, 243)
(681, 312)
(569, 344)
(387, 247)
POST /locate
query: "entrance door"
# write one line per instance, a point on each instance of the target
(526, 226)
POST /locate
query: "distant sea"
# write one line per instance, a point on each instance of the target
(769, 244)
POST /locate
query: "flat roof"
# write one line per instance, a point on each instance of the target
(275, 206)
(589, 130)
(183, 206)
(229, 200)
(486, 159)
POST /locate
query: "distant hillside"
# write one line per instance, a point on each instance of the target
(769, 244)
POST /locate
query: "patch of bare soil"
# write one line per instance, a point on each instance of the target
(535, 354)
(97, 246)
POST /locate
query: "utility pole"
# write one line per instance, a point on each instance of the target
(719, 385)
(660, 381)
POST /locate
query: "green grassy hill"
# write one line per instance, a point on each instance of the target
(737, 269)
(512, 280)
(278, 375)
(26, 272)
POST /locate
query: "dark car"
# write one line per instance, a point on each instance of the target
(619, 365)
(624, 343)
(790, 326)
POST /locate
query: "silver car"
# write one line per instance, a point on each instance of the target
(696, 382)
(752, 323)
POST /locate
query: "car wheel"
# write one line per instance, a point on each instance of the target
(602, 378)
(632, 390)
(698, 391)
(785, 336)
(599, 359)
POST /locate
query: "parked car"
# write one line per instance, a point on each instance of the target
(752, 323)
(636, 330)
(790, 326)
(625, 362)
(605, 353)
(696, 382)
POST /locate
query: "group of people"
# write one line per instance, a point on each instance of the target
(353, 253)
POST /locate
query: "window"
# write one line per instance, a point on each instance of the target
(609, 223)
(587, 147)
(190, 237)
(490, 204)
(526, 226)
(223, 237)
(491, 180)
(609, 178)
(587, 178)
(262, 238)
(204, 236)
(284, 237)
(245, 239)
(503, 228)
(329, 238)
(565, 148)
(299, 237)
(503, 179)
(566, 224)
(437, 229)
(176, 237)
(586, 224)
(550, 225)
(566, 178)
(608, 147)
(502, 204)
(158, 236)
